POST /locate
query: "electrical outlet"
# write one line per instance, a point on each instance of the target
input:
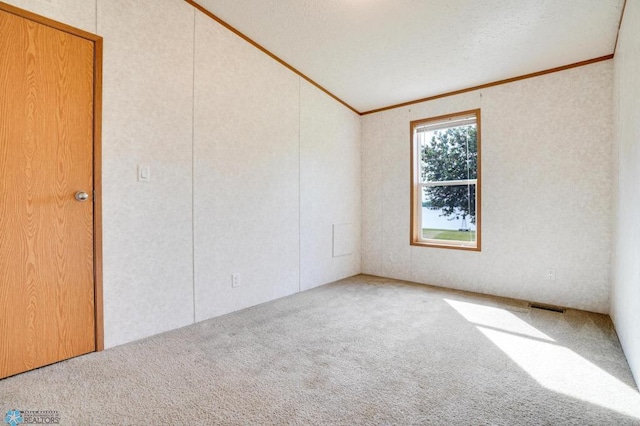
(235, 280)
(551, 274)
(389, 257)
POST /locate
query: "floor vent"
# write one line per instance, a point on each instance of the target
(547, 307)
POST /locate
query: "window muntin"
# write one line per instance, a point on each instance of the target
(446, 181)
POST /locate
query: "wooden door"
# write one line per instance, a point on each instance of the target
(47, 310)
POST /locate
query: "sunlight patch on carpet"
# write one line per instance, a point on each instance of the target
(552, 365)
(496, 318)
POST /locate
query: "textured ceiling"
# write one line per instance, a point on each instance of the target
(376, 53)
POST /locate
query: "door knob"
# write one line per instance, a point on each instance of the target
(82, 196)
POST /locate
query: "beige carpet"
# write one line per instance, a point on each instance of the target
(364, 350)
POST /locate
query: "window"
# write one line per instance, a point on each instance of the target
(445, 181)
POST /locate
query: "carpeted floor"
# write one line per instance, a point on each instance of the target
(364, 350)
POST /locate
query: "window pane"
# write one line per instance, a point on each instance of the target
(448, 154)
(449, 213)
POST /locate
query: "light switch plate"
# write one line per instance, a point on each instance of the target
(144, 175)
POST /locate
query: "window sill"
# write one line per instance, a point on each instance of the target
(451, 245)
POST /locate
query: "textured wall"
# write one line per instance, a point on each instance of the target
(147, 119)
(246, 174)
(546, 203)
(77, 13)
(269, 183)
(330, 187)
(625, 307)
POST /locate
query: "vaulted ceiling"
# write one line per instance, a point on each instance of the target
(376, 53)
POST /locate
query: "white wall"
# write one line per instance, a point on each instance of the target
(546, 191)
(277, 163)
(625, 306)
(147, 120)
(224, 130)
(77, 13)
(246, 174)
(330, 188)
